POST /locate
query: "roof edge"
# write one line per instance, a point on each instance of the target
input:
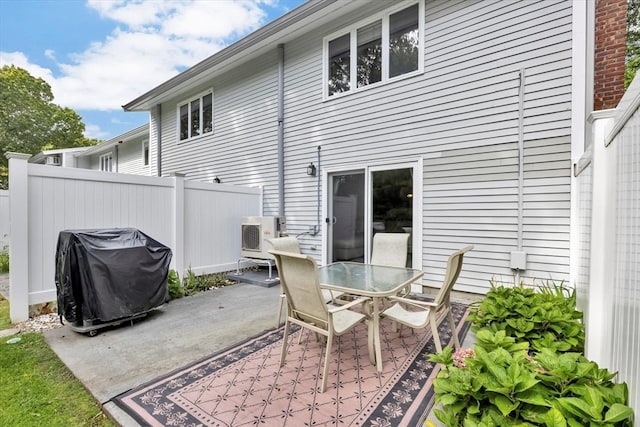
(269, 30)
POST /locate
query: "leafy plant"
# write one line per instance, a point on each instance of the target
(527, 367)
(545, 319)
(194, 284)
(175, 287)
(499, 383)
(4, 260)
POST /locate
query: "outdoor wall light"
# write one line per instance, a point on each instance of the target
(311, 169)
(216, 180)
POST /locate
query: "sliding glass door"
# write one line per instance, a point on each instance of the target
(392, 203)
(363, 202)
(346, 217)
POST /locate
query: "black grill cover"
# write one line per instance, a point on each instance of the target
(109, 274)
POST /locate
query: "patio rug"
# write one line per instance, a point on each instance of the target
(244, 385)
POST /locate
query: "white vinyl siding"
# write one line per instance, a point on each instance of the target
(460, 117)
(125, 158)
(130, 158)
(245, 148)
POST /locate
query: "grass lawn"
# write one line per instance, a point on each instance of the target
(5, 320)
(37, 389)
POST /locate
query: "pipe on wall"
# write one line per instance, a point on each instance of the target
(281, 129)
(159, 140)
(520, 168)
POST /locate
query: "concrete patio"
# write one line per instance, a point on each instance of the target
(183, 331)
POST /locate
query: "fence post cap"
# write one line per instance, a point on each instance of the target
(20, 156)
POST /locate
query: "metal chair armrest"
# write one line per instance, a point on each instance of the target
(413, 302)
(348, 305)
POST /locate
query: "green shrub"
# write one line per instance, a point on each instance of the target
(4, 260)
(175, 287)
(527, 367)
(194, 284)
(499, 383)
(546, 318)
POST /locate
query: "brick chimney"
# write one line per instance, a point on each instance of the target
(610, 45)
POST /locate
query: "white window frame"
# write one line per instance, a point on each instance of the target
(146, 159)
(353, 31)
(188, 102)
(106, 162)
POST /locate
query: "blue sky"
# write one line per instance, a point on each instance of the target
(97, 55)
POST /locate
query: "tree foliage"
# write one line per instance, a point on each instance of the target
(30, 121)
(632, 59)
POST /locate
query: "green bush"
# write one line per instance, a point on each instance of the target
(194, 284)
(4, 260)
(175, 287)
(499, 383)
(527, 367)
(546, 318)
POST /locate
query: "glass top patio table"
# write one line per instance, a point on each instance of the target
(375, 281)
(366, 279)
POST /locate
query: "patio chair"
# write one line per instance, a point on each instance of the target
(307, 307)
(291, 244)
(423, 313)
(390, 249)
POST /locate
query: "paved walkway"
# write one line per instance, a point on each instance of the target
(181, 332)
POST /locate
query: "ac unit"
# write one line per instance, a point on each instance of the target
(255, 229)
(52, 160)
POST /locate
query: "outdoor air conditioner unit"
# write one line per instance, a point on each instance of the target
(255, 229)
(52, 160)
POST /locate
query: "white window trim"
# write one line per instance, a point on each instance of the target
(106, 157)
(353, 30)
(188, 102)
(145, 145)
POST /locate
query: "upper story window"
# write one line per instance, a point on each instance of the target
(387, 47)
(195, 117)
(106, 162)
(145, 153)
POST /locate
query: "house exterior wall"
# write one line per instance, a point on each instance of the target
(489, 120)
(127, 158)
(242, 149)
(130, 158)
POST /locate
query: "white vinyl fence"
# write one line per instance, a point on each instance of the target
(4, 219)
(608, 282)
(199, 221)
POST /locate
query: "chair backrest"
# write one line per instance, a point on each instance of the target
(454, 265)
(285, 244)
(300, 283)
(390, 249)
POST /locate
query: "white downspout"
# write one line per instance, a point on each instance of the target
(281, 130)
(520, 173)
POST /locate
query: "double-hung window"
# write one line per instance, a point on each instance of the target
(195, 117)
(106, 162)
(386, 47)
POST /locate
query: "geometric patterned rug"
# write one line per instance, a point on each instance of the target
(245, 386)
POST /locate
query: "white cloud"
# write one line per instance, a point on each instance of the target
(153, 40)
(94, 131)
